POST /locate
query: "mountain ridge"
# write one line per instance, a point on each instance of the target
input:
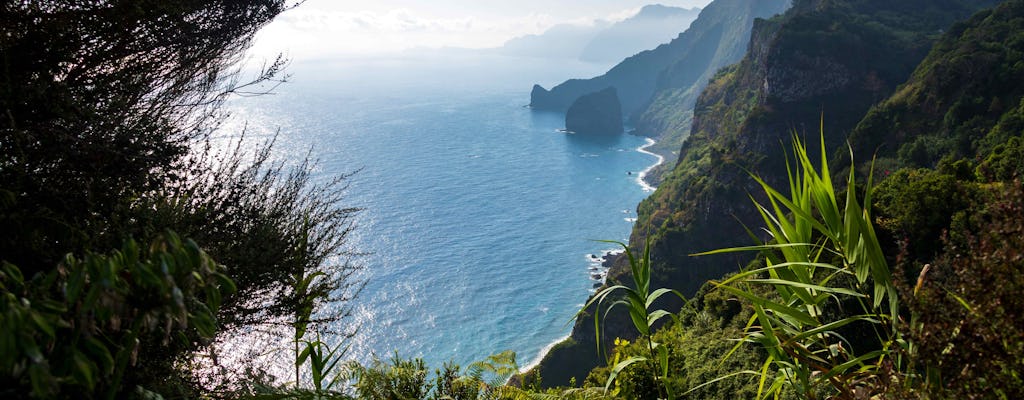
(604, 41)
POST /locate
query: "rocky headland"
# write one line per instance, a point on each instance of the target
(598, 113)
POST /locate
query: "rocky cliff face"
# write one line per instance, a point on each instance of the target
(597, 113)
(823, 62)
(681, 83)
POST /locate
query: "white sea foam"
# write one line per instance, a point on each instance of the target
(643, 174)
(543, 352)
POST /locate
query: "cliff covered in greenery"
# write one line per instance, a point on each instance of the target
(101, 299)
(833, 59)
(822, 58)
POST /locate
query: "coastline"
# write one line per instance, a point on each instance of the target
(607, 256)
(640, 179)
(541, 354)
(604, 262)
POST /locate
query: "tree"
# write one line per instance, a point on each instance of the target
(106, 111)
(100, 101)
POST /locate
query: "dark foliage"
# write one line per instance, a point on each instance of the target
(268, 224)
(83, 329)
(968, 307)
(106, 112)
(99, 101)
(915, 207)
(962, 100)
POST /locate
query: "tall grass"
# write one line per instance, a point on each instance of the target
(822, 255)
(638, 301)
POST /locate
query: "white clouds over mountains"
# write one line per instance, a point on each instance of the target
(329, 29)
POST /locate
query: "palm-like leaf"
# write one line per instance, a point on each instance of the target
(638, 301)
(808, 231)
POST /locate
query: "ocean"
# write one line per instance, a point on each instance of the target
(480, 217)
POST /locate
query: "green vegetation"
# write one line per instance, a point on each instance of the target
(786, 81)
(78, 329)
(967, 304)
(130, 246)
(108, 108)
(820, 259)
(638, 301)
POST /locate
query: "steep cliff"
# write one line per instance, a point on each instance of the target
(668, 115)
(720, 31)
(823, 62)
(597, 113)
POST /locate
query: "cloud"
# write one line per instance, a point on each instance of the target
(397, 20)
(306, 33)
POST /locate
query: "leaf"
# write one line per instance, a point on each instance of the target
(839, 369)
(42, 323)
(798, 315)
(618, 369)
(719, 379)
(819, 288)
(31, 350)
(99, 352)
(656, 315)
(83, 370)
(301, 358)
(659, 292)
(833, 326)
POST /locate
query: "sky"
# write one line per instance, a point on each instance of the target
(340, 28)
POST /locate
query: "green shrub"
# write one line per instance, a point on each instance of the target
(821, 256)
(78, 331)
(967, 304)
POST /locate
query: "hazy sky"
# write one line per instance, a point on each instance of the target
(328, 28)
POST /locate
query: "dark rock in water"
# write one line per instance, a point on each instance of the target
(598, 113)
(609, 259)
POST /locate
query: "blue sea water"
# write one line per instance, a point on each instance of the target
(479, 214)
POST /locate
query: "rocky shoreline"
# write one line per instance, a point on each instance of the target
(600, 264)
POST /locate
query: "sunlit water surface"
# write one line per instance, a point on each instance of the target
(479, 214)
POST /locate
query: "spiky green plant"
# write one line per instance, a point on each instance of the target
(638, 301)
(323, 363)
(815, 245)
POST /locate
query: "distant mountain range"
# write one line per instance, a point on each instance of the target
(604, 41)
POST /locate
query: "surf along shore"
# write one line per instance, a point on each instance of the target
(599, 265)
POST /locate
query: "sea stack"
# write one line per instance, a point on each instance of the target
(598, 113)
